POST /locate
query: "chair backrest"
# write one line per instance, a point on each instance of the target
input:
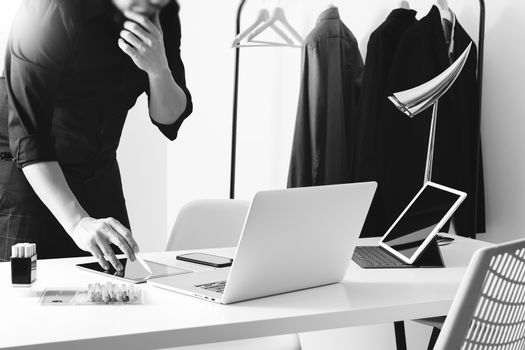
(209, 223)
(488, 311)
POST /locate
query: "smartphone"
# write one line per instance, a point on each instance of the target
(206, 259)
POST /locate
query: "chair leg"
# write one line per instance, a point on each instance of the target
(433, 338)
(399, 329)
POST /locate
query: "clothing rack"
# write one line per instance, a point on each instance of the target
(481, 47)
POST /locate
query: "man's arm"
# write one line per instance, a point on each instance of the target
(39, 51)
(92, 235)
(143, 41)
(167, 101)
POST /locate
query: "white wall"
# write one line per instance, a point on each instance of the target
(198, 160)
(142, 160)
(503, 123)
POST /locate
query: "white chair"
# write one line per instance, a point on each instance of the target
(488, 312)
(215, 223)
(208, 223)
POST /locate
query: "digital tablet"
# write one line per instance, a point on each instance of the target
(421, 220)
(134, 272)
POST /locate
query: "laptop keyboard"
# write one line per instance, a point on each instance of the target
(364, 256)
(376, 257)
(217, 287)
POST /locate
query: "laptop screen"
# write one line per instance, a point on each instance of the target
(420, 219)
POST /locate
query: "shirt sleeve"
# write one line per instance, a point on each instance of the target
(306, 153)
(37, 53)
(171, 28)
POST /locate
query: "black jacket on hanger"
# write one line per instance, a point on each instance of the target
(422, 54)
(332, 67)
(382, 47)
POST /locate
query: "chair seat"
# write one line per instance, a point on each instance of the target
(279, 342)
(436, 322)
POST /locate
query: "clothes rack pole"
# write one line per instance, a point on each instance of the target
(235, 102)
(481, 47)
(477, 164)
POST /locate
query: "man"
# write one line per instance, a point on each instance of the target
(73, 70)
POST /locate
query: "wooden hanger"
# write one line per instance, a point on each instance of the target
(277, 17)
(264, 15)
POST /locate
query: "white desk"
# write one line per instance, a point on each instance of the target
(169, 319)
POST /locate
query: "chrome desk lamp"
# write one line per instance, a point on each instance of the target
(418, 99)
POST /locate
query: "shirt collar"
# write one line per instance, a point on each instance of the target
(330, 13)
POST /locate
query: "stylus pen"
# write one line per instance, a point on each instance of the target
(143, 263)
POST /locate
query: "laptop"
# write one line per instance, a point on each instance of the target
(414, 230)
(292, 239)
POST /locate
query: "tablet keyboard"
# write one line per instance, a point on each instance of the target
(217, 287)
(376, 257)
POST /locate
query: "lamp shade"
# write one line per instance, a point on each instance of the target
(415, 100)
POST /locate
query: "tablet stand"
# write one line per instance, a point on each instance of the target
(431, 256)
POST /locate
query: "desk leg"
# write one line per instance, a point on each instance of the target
(433, 338)
(399, 329)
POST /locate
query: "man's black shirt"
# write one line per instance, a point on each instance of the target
(69, 84)
(69, 88)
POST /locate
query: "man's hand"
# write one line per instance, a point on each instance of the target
(95, 235)
(143, 41)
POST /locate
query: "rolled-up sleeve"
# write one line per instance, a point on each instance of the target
(171, 27)
(36, 59)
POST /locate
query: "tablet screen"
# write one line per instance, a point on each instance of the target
(419, 220)
(134, 271)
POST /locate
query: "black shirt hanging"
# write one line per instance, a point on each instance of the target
(421, 55)
(381, 49)
(331, 72)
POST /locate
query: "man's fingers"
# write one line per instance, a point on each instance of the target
(120, 242)
(133, 40)
(143, 21)
(124, 232)
(110, 255)
(108, 233)
(97, 253)
(127, 48)
(138, 31)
